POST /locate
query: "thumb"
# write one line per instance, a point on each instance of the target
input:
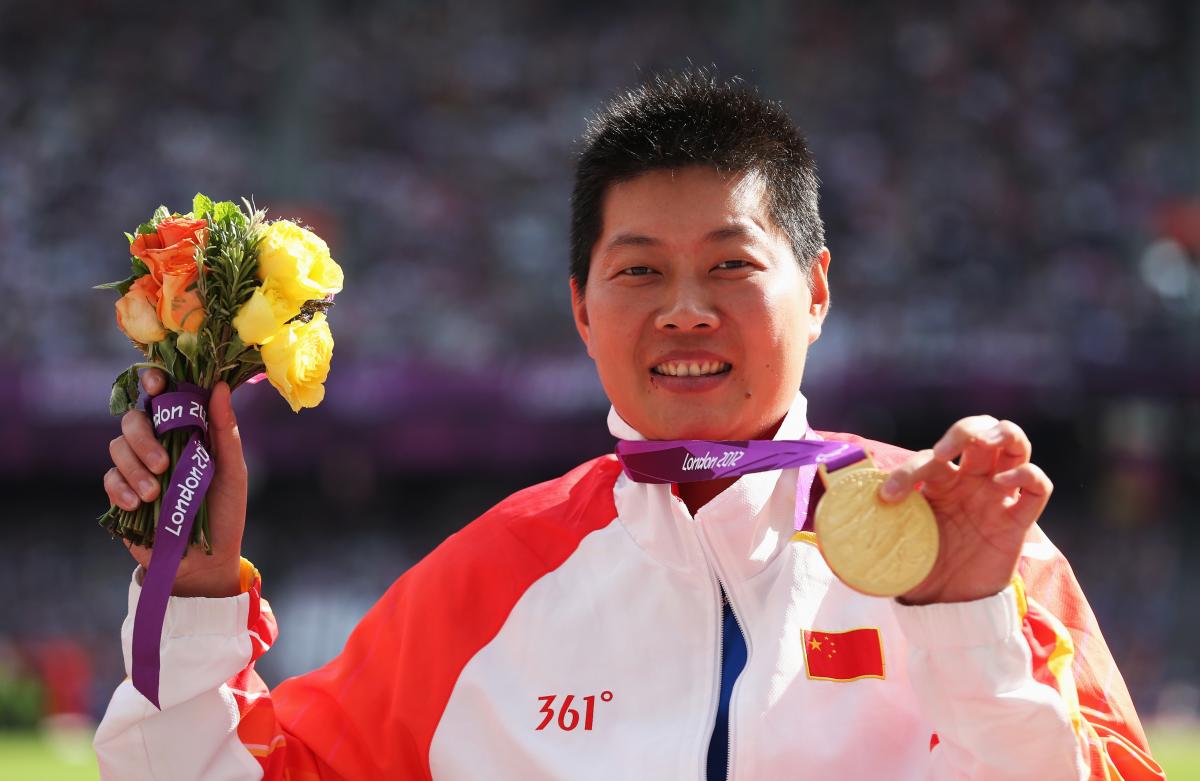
(223, 428)
(154, 381)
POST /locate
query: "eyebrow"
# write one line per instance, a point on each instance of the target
(638, 240)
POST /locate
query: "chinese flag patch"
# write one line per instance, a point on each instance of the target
(843, 656)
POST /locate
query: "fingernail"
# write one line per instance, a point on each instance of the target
(888, 490)
(146, 487)
(128, 500)
(993, 436)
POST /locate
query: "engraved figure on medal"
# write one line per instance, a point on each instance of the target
(878, 549)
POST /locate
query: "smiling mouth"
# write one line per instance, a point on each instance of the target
(691, 368)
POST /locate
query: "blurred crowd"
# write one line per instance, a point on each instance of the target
(1009, 193)
(1000, 178)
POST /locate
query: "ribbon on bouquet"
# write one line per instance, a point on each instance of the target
(693, 460)
(185, 407)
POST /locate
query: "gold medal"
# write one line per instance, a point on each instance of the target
(883, 550)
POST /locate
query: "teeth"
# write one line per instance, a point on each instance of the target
(691, 368)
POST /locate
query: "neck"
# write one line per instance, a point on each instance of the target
(696, 495)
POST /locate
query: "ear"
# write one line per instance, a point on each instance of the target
(579, 311)
(818, 283)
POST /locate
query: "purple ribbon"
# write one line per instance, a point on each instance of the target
(186, 407)
(693, 460)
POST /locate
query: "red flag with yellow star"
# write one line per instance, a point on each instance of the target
(843, 656)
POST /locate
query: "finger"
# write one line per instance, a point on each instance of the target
(154, 381)
(1034, 487)
(978, 459)
(996, 449)
(923, 467)
(227, 440)
(956, 439)
(119, 492)
(133, 470)
(1015, 447)
(140, 435)
(976, 440)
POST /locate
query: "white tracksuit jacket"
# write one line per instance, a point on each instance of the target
(573, 632)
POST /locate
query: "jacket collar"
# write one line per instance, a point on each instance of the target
(746, 525)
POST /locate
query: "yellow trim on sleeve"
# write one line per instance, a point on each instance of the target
(809, 537)
(264, 750)
(1060, 659)
(1019, 587)
(247, 574)
(1059, 664)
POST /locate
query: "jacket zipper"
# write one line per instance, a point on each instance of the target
(714, 569)
(733, 692)
(716, 703)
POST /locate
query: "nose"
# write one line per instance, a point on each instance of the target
(687, 309)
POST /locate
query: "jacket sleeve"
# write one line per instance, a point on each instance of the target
(1022, 685)
(373, 710)
(219, 720)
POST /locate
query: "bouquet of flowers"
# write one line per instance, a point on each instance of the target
(220, 293)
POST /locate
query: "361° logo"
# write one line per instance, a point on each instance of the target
(567, 714)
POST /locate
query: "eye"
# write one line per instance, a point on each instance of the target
(732, 265)
(637, 271)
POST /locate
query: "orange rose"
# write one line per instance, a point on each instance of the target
(136, 312)
(180, 307)
(176, 229)
(172, 250)
(143, 242)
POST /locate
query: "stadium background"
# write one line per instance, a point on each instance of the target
(1010, 193)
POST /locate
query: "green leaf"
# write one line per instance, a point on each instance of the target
(169, 355)
(121, 286)
(129, 236)
(188, 344)
(147, 227)
(139, 268)
(236, 345)
(201, 205)
(227, 212)
(160, 214)
(126, 387)
(124, 393)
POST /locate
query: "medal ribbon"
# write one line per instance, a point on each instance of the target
(694, 460)
(186, 407)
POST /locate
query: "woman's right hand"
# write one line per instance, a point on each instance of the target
(137, 457)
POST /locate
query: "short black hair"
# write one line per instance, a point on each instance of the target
(688, 118)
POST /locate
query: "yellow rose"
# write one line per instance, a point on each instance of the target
(264, 313)
(298, 261)
(297, 361)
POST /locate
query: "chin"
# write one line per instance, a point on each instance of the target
(691, 429)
